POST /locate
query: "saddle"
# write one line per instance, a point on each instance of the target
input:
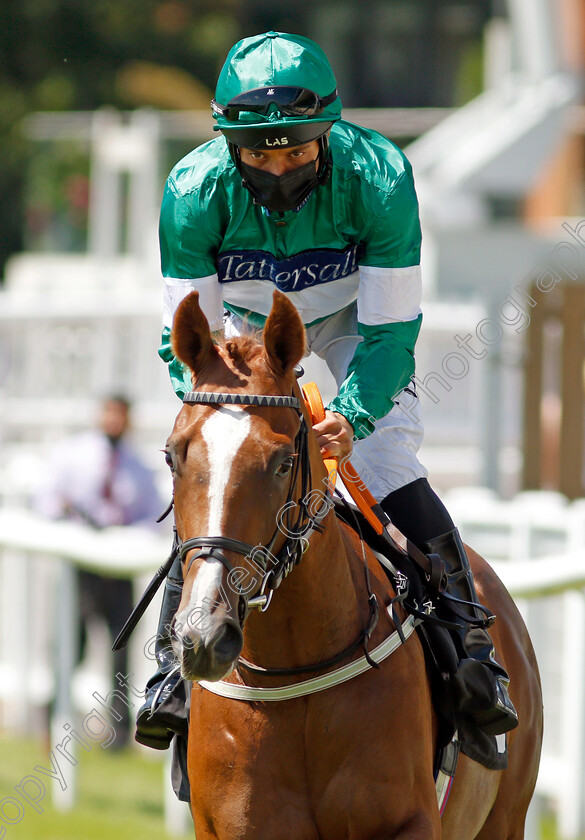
(418, 580)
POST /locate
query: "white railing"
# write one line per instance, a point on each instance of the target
(38, 632)
(536, 544)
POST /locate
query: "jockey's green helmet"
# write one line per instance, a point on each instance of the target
(275, 90)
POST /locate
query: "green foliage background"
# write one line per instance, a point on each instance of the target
(69, 55)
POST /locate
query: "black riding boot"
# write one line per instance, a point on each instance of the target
(163, 714)
(482, 684)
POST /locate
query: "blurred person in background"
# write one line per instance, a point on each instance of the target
(290, 196)
(97, 478)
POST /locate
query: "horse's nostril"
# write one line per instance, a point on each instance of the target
(228, 642)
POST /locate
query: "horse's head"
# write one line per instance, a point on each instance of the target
(239, 469)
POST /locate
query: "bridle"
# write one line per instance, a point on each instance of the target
(298, 534)
(273, 568)
(313, 506)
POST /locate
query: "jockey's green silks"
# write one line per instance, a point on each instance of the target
(357, 237)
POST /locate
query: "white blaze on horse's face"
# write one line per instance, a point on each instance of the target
(224, 433)
(206, 635)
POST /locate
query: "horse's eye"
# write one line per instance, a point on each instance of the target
(285, 466)
(169, 460)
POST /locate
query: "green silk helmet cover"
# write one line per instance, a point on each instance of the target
(276, 59)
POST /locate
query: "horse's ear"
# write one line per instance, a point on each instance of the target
(191, 336)
(284, 335)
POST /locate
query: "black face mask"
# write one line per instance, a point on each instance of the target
(280, 193)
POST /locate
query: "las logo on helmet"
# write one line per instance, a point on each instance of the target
(278, 141)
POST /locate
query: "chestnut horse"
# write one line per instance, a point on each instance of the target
(350, 759)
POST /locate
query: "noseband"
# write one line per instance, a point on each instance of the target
(273, 568)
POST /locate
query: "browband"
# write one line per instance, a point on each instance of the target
(268, 400)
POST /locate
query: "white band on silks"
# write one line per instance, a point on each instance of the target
(210, 298)
(302, 689)
(388, 295)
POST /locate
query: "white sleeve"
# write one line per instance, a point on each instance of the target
(387, 295)
(210, 298)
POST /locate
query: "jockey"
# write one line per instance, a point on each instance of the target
(290, 196)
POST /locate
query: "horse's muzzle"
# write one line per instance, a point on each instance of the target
(210, 651)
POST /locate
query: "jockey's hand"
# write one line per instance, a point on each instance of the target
(334, 435)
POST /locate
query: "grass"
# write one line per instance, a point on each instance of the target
(119, 796)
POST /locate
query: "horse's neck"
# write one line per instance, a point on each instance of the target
(318, 610)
